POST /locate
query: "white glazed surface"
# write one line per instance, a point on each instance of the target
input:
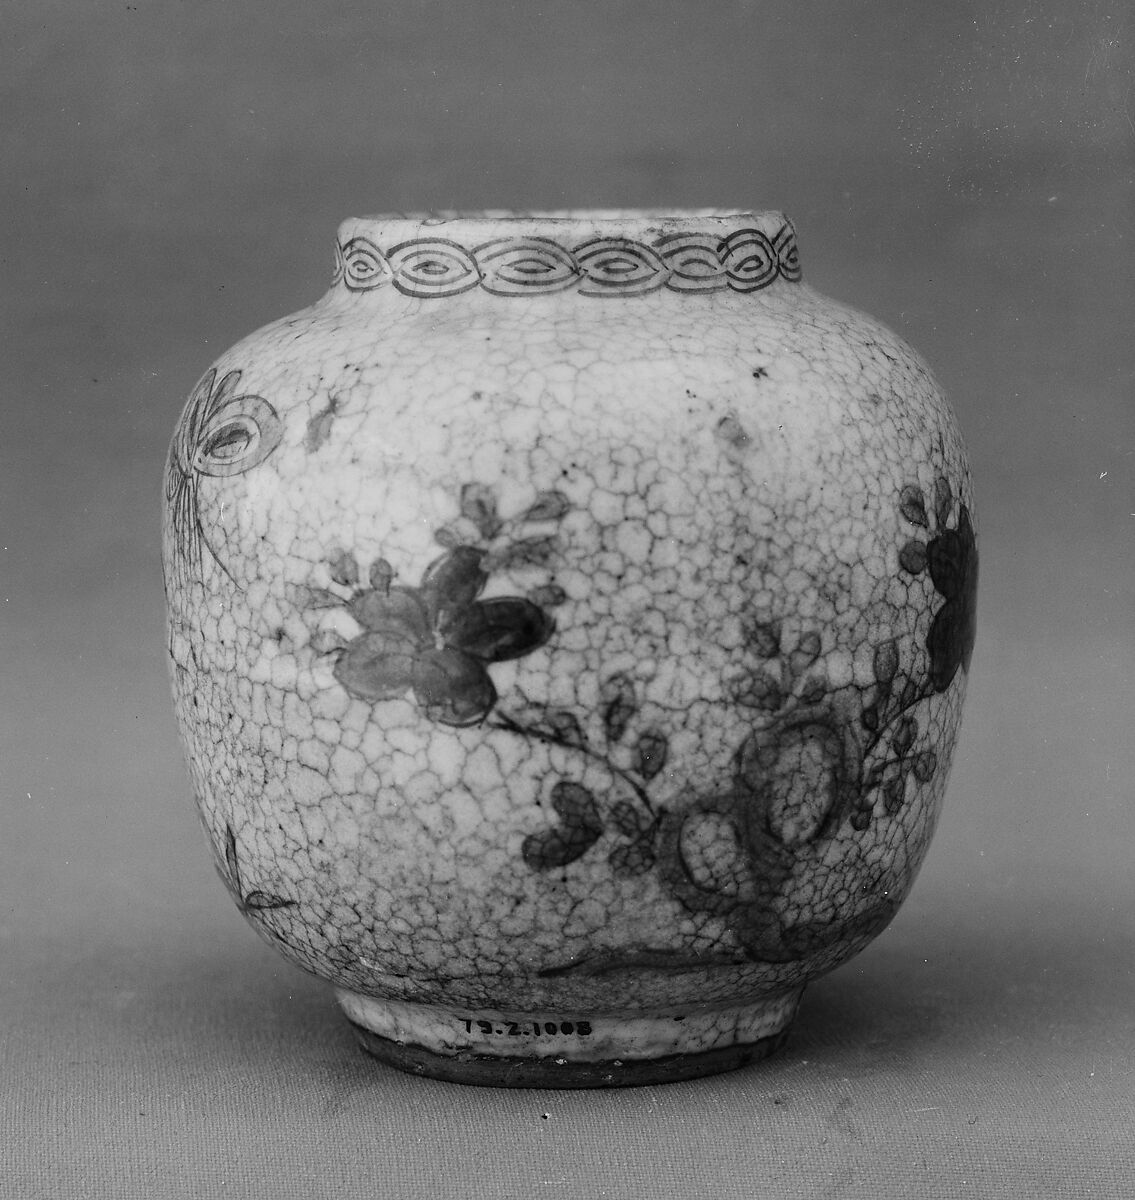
(714, 508)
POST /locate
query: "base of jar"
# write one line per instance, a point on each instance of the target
(543, 1050)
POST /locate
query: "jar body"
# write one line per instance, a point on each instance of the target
(556, 649)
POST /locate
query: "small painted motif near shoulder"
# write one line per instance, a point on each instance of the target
(223, 432)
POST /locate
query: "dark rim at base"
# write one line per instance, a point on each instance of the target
(485, 1070)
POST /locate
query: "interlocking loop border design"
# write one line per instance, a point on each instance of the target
(745, 260)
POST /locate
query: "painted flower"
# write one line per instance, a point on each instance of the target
(437, 640)
(950, 557)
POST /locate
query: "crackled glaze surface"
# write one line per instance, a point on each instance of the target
(569, 615)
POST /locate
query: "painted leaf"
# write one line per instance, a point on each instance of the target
(912, 504)
(806, 652)
(531, 552)
(860, 819)
(925, 764)
(377, 667)
(765, 638)
(454, 580)
(319, 428)
(344, 570)
(801, 783)
(943, 500)
(397, 614)
(381, 576)
(617, 704)
(231, 872)
(327, 641)
(946, 557)
(652, 749)
(225, 389)
(497, 630)
(912, 557)
(580, 828)
(550, 595)
(548, 506)
(633, 858)
(575, 805)
(260, 901)
(556, 847)
(762, 691)
(452, 687)
(894, 791)
(904, 736)
(565, 727)
(626, 818)
(886, 661)
(317, 598)
(479, 505)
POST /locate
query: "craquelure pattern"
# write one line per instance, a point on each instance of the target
(552, 656)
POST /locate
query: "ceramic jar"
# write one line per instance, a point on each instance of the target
(569, 619)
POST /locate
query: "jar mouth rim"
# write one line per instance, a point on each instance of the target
(608, 219)
(441, 216)
(595, 251)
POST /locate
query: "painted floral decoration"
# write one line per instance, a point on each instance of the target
(951, 559)
(223, 432)
(437, 640)
(251, 902)
(815, 760)
(580, 819)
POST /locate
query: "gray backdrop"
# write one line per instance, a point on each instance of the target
(173, 175)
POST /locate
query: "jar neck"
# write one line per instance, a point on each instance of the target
(594, 253)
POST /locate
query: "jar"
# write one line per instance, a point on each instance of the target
(569, 618)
